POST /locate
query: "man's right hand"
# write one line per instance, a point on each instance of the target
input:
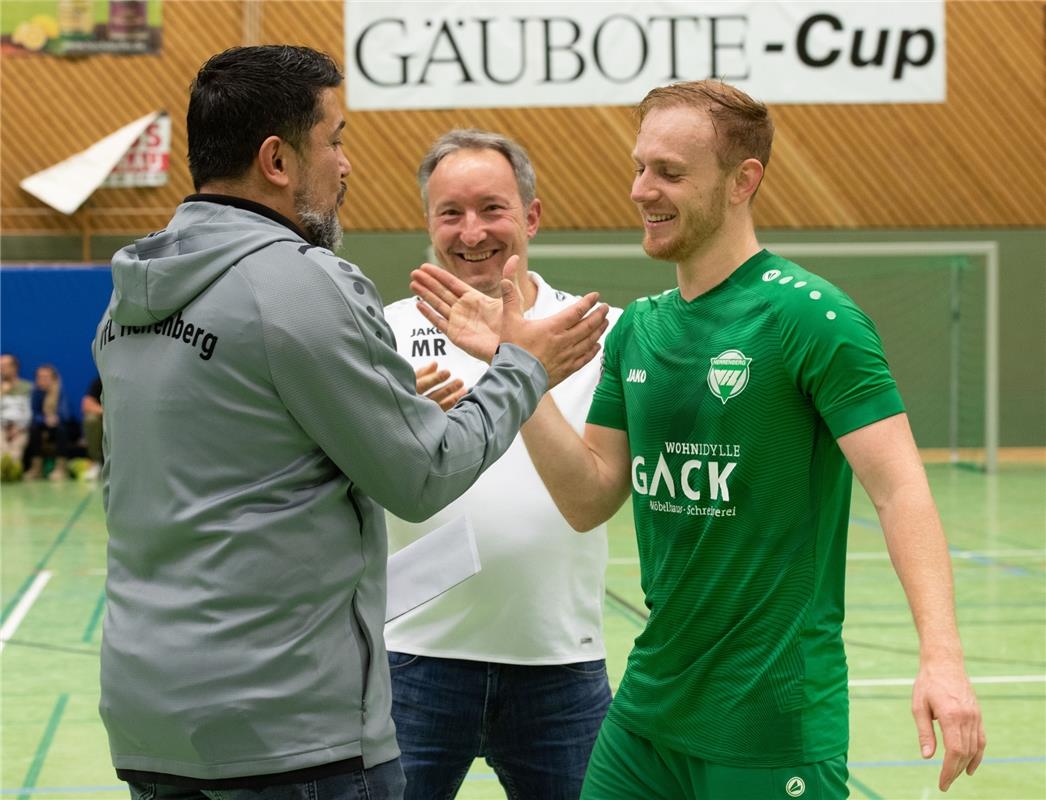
(563, 343)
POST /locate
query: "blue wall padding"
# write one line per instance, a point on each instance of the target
(48, 315)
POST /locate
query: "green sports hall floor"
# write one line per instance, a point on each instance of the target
(53, 550)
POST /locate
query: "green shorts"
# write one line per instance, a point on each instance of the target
(624, 766)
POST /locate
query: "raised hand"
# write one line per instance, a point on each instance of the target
(468, 317)
(563, 343)
(434, 384)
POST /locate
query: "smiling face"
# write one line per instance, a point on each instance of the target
(477, 219)
(680, 188)
(321, 181)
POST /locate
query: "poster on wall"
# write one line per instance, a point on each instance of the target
(80, 27)
(464, 54)
(146, 161)
(138, 152)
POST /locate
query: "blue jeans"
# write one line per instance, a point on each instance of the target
(383, 782)
(535, 725)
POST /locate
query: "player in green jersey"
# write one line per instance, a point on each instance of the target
(733, 409)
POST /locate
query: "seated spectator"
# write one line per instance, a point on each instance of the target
(48, 431)
(14, 409)
(91, 409)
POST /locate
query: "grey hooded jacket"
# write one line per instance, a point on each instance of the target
(257, 418)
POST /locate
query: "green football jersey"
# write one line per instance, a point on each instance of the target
(732, 404)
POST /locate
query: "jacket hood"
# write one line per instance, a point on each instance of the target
(165, 271)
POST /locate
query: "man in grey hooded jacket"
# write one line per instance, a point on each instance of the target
(258, 418)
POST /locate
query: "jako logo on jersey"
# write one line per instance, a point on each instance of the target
(795, 787)
(728, 375)
(636, 376)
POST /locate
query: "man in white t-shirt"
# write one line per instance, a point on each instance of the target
(508, 665)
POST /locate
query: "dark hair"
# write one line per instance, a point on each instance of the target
(743, 126)
(475, 139)
(244, 95)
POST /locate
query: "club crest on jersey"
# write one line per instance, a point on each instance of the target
(728, 375)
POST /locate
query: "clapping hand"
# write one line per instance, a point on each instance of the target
(478, 324)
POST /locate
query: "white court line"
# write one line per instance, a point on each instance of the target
(884, 556)
(20, 610)
(984, 679)
(999, 553)
(967, 554)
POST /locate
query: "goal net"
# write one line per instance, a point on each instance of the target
(935, 305)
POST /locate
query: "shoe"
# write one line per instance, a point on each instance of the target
(59, 473)
(36, 469)
(93, 472)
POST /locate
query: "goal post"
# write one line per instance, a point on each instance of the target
(957, 256)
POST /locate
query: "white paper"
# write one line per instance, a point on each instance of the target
(429, 566)
(67, 184)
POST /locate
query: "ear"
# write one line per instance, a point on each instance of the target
(275, 160)
(747, 177)
(533, 217)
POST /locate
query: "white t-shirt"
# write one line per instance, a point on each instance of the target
(15, 410)
(538, 598)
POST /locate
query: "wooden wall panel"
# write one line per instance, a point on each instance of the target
(51, 108)
(978, 160)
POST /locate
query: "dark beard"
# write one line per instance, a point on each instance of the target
(322, 229)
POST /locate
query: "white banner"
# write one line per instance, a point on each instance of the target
(509, 53)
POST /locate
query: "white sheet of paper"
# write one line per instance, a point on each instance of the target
(429, 566)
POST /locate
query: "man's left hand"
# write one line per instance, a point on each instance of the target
(435, 384)
(942, 692)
